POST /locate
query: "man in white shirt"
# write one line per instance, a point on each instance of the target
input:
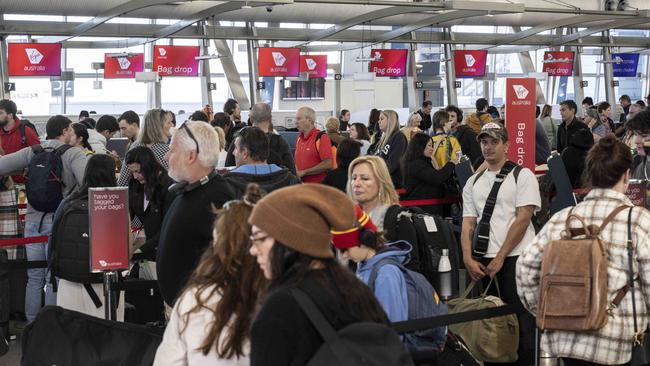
(510, 226)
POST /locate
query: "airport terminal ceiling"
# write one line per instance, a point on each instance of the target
(346, 21)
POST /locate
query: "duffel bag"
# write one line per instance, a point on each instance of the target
(489, 340)
(68, 338)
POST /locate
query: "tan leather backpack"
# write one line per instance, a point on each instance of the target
(573, 289)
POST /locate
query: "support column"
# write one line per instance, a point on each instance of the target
(336, 88)
(610, 95)
(578, 90)
(4, 74)
(154, 98)
(64, 93)
(411, 94)
(450, 70)
(251, 46)
(206, 93)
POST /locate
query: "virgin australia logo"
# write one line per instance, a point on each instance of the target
(34, 56)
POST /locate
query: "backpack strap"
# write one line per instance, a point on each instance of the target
(612, 215)
(318, 136)
(316, 317)
(62, 149)
(482, 233)
(93, 295)
(391, 219)
(38, 148)
(23, 138)
(375, 270)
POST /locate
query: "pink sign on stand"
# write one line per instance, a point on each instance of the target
(470, 63)
(388, 62)
(558, 63)
(314, 65)
(109, 228)
(520, 109)
(34, 59)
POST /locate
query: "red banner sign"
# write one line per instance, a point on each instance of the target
(122, 67)
(558, 63)
(109, 228)
(470, 63)
(278, 61)
(176, 60)
(34, 59)
(388, 62)
(520, 120)
(314, 65)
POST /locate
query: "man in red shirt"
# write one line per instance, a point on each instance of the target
(11, 134)
(312, 162)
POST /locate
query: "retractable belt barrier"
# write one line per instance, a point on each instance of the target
(23, 241)
(464, 317)
(430, 202)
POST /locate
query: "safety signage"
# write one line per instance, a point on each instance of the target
(122, 66)
(109, 228)
(176, 60)
(520, 122)
(625, 64)
(278, 61)
(558, 63)
(470, 63)
(388, 62)
(314, 65)
(34, 59)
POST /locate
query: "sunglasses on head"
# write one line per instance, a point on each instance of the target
(191, 135)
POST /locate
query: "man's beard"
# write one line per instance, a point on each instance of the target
(4, 122)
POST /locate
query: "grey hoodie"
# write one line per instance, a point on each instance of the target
(74, 165)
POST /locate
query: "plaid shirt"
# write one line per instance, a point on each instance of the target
(611, 345)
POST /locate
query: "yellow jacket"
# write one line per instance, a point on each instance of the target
(445, 149)
(476, 120)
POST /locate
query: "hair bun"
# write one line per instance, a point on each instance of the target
(253, 193)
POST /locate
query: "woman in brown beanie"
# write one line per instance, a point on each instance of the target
(211, 320)
(291, 241)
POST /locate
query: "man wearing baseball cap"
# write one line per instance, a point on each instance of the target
(498, 204)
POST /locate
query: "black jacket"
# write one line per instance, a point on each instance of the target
(423, 181)
(575, 154)
(279, 153)
(425, 124)
(186, 232)
(564, 133)
(283, 335)
(392, 153)
(151, 217)
(337, 178)
(267, 182)
(468, 143)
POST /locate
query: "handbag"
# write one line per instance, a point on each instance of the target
(489, 340)
(641, 347)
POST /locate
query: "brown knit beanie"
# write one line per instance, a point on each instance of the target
(302, 217)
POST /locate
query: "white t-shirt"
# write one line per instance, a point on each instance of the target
(181, 349)
(523, 192)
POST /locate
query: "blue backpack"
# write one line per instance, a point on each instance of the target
(45, 186)
(423, 302)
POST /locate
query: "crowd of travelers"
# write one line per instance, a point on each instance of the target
(246, 239)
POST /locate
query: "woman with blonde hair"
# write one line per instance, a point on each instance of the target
(211, 321)
(392, 144)
(550, 125)
(370, 186)
(154, 134)
(412, 126)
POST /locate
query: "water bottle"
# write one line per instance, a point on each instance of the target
(444, 271)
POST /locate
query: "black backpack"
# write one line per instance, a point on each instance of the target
(45, 186)
(427, 245)
(358, 344)
(24, 123)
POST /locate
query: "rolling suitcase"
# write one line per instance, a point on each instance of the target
(564, 196)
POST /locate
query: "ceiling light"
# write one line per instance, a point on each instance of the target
(246, 6)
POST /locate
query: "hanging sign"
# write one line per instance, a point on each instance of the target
(314, 65)
(176, 60)
(470, 63)
(625, 64)
(34, 59)
(558, 63)
(122, 67)
(108, 210)
(388, 62)
(520, 122)
(284, 62)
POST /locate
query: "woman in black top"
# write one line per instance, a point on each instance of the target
(421, 179)
(392, 144)
(291, 235)
(149, 197)
(347, 151)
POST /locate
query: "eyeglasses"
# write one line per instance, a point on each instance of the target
(191, 135)
(259, 240)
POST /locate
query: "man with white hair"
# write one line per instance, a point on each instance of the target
(313, 155)
(187, 227)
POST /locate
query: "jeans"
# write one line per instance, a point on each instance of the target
(38, 279)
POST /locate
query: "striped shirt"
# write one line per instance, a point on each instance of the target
(612, 344)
